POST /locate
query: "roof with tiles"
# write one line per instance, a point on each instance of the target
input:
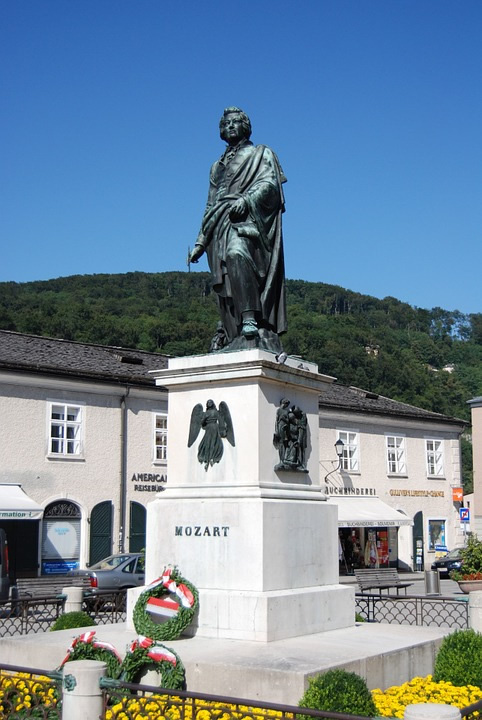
(103, 363)
(48, 356)
(354, 399)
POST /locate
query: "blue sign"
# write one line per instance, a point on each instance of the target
(464, 515)
(59, 567)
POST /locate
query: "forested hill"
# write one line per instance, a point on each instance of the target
(430, 358)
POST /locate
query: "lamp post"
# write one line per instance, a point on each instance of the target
(339, 445)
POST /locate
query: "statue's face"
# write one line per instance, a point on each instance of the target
(233, 130)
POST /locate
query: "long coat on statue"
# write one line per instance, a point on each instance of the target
(253, 173)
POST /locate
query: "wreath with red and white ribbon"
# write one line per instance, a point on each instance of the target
(166, 607)
(145, 654)
(87, 647)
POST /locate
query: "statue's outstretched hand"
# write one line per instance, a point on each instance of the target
(196, 253)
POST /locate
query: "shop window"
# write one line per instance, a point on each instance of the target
(436, 534)
(160, 438)
(65, 429)
(435, 457)
(396, 455)
(350, 457)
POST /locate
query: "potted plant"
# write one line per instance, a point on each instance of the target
(469, 577)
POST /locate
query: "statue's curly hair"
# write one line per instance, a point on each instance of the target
(244, 119)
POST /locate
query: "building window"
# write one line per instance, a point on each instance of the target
(435, 457)
(350, 457)
(65, 429)
(396, 455)
(436, 534)
(160, 438)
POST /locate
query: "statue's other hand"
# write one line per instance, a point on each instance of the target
(238, 211)
(196, 253)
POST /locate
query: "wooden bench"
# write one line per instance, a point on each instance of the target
(385, 579)
(48, 585)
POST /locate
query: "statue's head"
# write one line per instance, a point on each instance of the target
(209, 404)
(245, 122)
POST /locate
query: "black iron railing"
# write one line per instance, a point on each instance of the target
(29, 615)
(129, 701)
(106, 606)
(413, 610)
(469, 712)
(29, 693)
(26, 615)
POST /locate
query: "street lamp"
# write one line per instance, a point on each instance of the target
(339, 445)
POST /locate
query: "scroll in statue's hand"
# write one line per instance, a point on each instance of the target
(238, 211)
(196, 253)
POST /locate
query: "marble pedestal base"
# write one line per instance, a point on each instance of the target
(266, 569)
(259, 542)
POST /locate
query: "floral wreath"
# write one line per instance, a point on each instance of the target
(145, 653)
(85, 647)
(171, 596)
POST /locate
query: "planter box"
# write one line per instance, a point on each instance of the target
(468, 586)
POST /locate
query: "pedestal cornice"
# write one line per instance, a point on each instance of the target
(239, 366)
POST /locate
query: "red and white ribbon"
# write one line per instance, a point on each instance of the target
(88, 639)
(155, 651)
(158, 653)
(183, 593)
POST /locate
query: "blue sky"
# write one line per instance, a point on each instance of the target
(109, 124)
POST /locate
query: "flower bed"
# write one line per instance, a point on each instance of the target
(26, 692)
(389, 704)
(162, 707)
(22, 693)
(392, 702)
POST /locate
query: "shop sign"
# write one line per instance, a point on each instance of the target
(350, 491)
(440, 551)
(368, 523)
(19, 515)
(418, 493)
(457, 494)
(148, 482)
(58, 567)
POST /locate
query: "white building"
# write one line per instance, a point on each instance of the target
(476, 500)
(395, 455)
(83, 432)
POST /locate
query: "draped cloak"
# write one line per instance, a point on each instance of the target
(254, 173)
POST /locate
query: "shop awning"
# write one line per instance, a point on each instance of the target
(15, 504)
(367, 512)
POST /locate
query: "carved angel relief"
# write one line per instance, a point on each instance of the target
(217, 424)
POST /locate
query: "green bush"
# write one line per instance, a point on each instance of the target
(75, 619)
(471, 556)
(339, 691)
(459, 659)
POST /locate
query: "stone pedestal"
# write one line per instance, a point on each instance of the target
(260, 545)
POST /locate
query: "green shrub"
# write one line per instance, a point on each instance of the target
(339, 691)
(359, 618)
(471, 556)
(75, 619)
(459, 659)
